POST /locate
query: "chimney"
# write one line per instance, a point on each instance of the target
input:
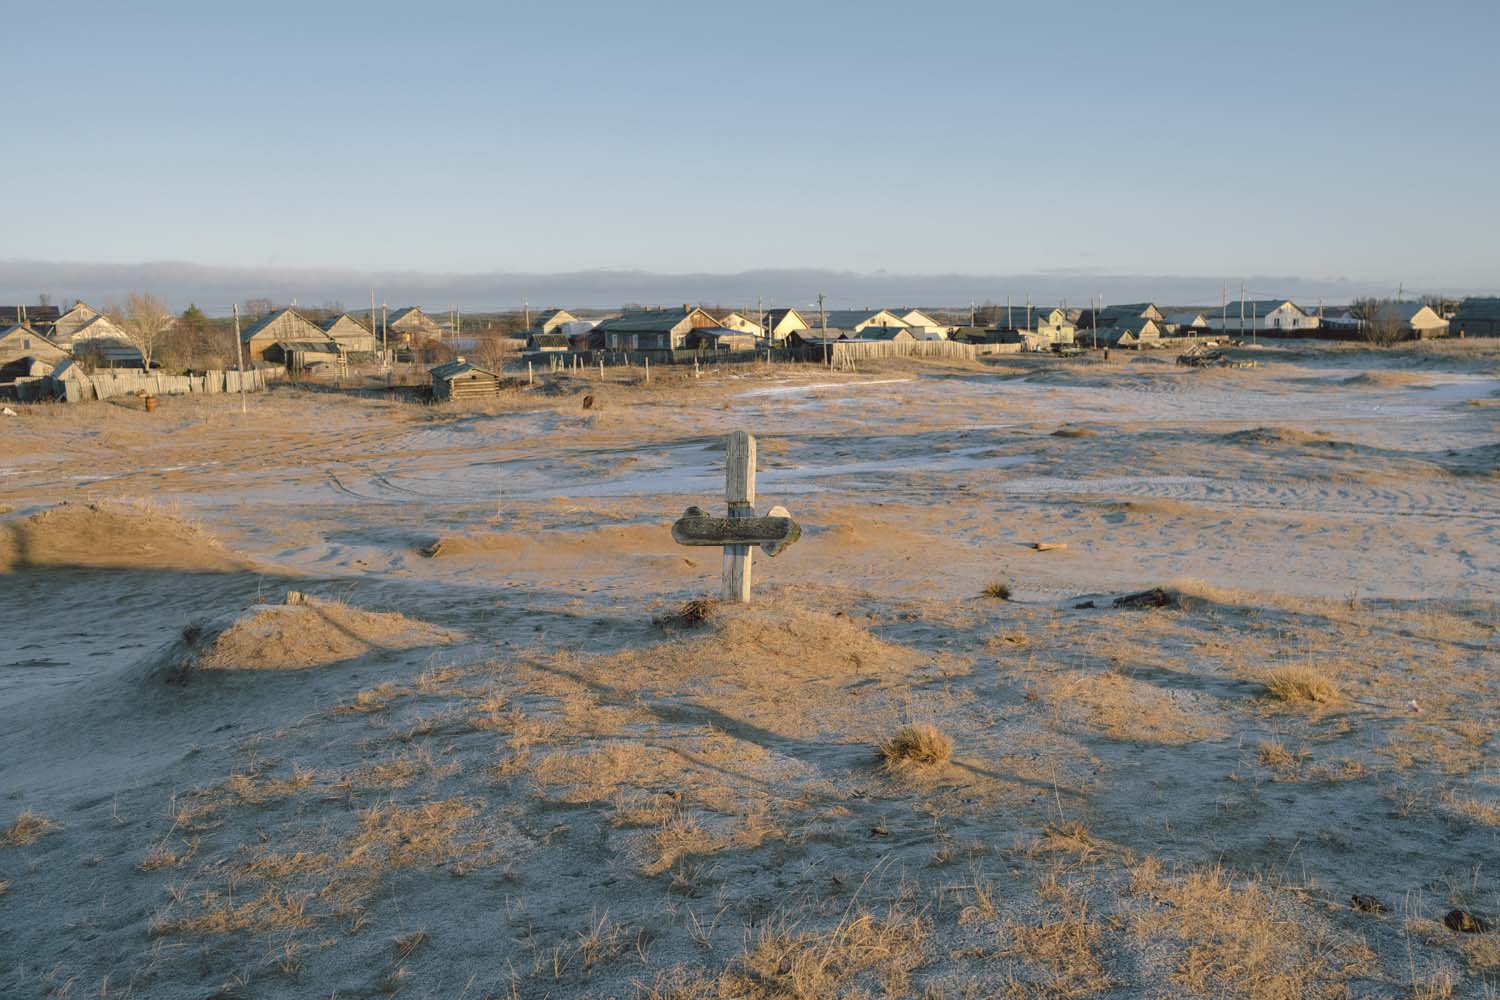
(686, 308)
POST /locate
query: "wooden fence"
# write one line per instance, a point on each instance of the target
(849, 351)
(76, 387)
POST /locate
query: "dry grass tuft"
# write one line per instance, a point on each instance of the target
(690, 615)
(1301, 684)
(997, 591)
(915, 748)
(28, 828)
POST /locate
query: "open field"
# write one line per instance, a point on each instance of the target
(929, 761)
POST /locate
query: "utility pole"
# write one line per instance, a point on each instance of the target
(372, 314)
(1242, 309)
(526, 312)
(385, 327)
(1008, 323)
(1094, 319)
(822, 316)
(972, 314)
(239, 353)
(1223, 307)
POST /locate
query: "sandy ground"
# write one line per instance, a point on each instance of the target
(471, 765)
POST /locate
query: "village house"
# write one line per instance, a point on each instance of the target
(549, 321)
(782, 323)
(1111, 315)
(654, 329)
(284, 337)
(721, 339)
(923, 326)
(1477, 316)
(462, 379)
(1185, 324)
(1263, 316)
(352, 336)
(740, 323)
(895, 334)
(24, 353)
(1132, 331)
(1046, 323)
(1415, 320)
(410, 325)
(857, 320)
(547, 342)
(89, 334)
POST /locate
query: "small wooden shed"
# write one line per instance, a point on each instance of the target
(461, 379)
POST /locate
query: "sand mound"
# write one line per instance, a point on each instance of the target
(1389, 380)
(778, 668)
(304, 632)
(111, 536)
(1263, 436)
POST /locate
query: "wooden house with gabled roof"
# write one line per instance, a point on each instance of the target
(859, 319)
(353, 337)
(462, 379)
(654, 329)
(411, 325)
(549, 321)
(740, 323)
(275, 336)
(782, 323)
(24, 353)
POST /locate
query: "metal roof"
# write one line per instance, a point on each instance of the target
(646, 321)
(1478, 307)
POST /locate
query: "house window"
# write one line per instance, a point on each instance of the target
(25, 342)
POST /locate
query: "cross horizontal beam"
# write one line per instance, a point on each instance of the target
(704, 529)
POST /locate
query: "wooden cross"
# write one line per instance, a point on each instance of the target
(742, 528)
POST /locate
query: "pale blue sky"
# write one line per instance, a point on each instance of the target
(1353, 139)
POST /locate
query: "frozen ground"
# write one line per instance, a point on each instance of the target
(568, 802)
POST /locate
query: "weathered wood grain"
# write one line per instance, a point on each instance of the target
(707, 530)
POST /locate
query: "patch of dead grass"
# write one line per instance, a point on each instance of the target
(1060, 954)
(1301, 685)
(916, 748)
(1240, 938)
(392, 836)
(27, 829)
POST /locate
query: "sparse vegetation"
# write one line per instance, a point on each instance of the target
(27, 829)
(1301, 684)
(915, 748)
(997, 591)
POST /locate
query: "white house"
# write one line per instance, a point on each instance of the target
(1263, 316)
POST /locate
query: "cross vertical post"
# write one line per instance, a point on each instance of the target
(739, 493)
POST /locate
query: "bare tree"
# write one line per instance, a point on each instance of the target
(145, 321)
(1379, 323)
